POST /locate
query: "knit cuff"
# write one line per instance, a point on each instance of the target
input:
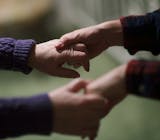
(21, 53)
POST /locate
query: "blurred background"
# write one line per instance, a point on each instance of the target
(42, 20)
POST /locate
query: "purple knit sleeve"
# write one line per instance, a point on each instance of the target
(14, 54)
(21, 116)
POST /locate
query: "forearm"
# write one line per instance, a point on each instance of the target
(20, 116)
(135, 33)
(112, 31)
(14, 54)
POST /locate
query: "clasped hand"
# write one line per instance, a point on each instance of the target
(81, 114)
(73, 113)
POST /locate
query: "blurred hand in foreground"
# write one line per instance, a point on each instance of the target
(112, 86)
(77, 114)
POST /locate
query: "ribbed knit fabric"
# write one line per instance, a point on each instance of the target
(20, 116)
(14, 54)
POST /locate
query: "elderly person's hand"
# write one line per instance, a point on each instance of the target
(45, 58)
(77, 114)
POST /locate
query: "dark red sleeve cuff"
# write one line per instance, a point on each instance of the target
(142, 32)
(143, 78)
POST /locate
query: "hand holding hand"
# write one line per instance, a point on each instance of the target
(46, 58)
(97, 38)
(112, 86)
(77, 114)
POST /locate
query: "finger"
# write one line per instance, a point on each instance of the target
(67, 73)
(74, 57)
(86, 66)
(83, 48)
(77, 84)
(79, 47)
(77, 54)
(91, 132)
(94, 132)
(59, 45)
(69, 39)
(76, 66)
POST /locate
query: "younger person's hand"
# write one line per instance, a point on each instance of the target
(97, 38)
(45, 58)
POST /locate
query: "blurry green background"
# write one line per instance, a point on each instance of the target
(134, 118)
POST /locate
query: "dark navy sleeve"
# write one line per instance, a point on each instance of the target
(21, 116)
(143, 78)
(142, 32)
(14, 54)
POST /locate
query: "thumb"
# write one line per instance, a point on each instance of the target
(67, 40)
(77, 85)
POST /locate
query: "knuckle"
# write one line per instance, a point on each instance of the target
(66, 53)
(80, 56)
(65, 37)
(77, 35)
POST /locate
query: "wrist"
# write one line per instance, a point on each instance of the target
(121, 72)
(32, 57)
(112, 32)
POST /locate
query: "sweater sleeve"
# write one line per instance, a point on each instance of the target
(143, 78)
(21, 116)
(14, 54)
(142, 32)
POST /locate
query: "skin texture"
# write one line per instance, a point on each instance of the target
(112, 86)
(77, 114)
(96, 38)
(101, 95)
(45, 58)
(73, 113)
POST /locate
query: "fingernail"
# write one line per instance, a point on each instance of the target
(87, 69)
(88, 66)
